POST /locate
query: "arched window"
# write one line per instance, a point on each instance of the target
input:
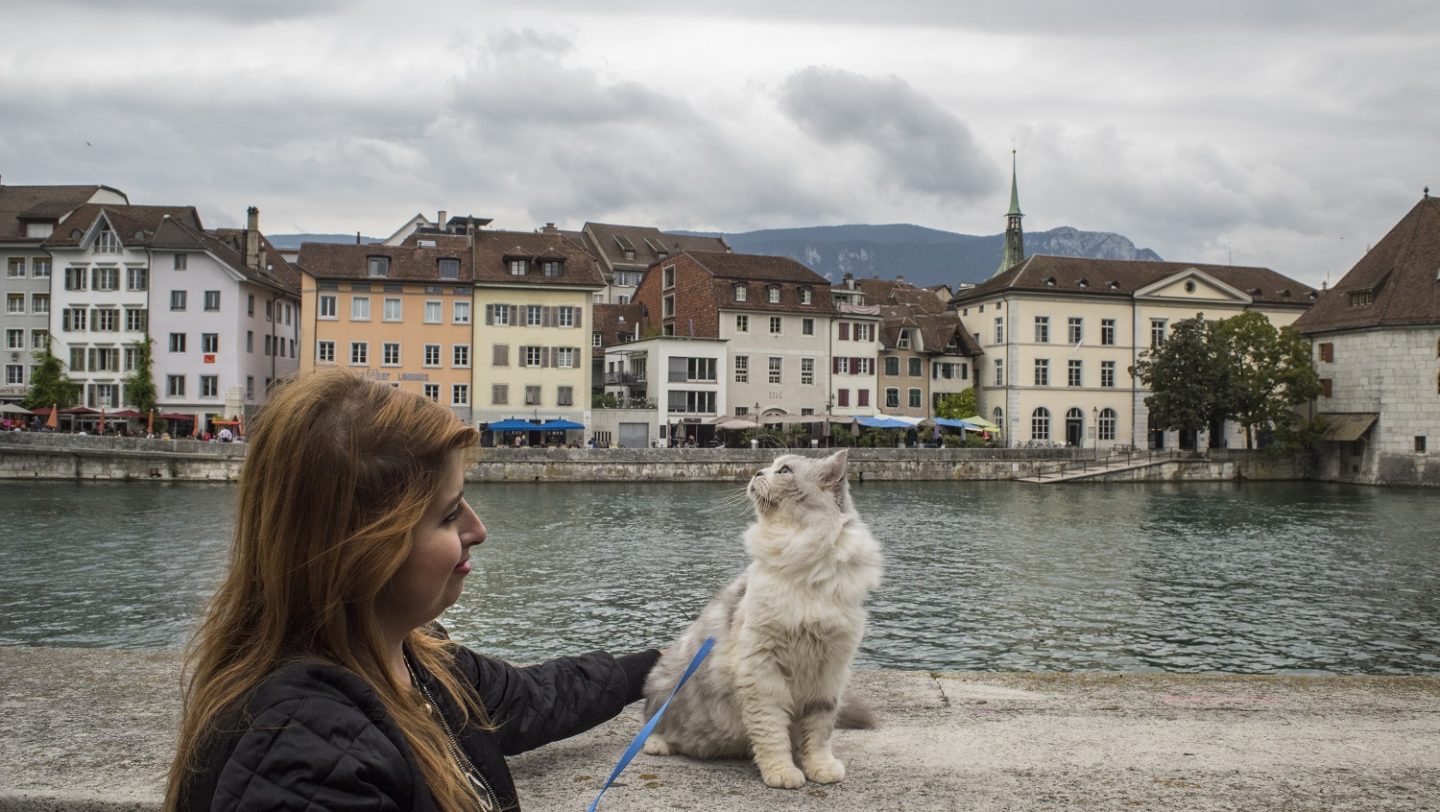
(1040, 424)
(998, 417)
(1106, 426)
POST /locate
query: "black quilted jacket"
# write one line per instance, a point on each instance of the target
(318, 737)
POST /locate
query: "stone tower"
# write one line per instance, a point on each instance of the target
(1014, 234)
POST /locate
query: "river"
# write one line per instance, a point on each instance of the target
(1259, 578)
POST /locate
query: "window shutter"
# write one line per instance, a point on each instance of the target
(544, 356)
(502, 355)
(844, 331)
(835, 365)
(489, 314)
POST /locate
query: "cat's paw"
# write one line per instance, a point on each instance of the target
(783, 777)
(826, 772)
(657, 746)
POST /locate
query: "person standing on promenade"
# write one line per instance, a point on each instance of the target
(318, 678)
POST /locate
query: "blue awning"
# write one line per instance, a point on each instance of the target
(561, 425)
(956, 424)
(883, 423)
(514, 425)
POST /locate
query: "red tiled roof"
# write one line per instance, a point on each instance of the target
(410, 263)
(133, 225)
(38, 203)
(494, 249)
(1400, 277)
(608, 242)
(1116, 277)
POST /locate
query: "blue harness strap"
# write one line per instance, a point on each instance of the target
(634, 748)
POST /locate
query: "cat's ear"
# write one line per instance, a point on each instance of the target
(832, 468)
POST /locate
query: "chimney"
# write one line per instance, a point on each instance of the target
(550, 229)
(440, 219)
(252, 238)
(357, 238)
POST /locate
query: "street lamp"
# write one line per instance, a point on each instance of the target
(1095, 414)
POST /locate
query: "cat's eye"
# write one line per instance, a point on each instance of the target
(784, 469)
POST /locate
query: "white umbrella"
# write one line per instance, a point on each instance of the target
(11, 408)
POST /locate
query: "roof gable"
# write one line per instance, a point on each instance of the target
(1193, 284)
(1396, 283)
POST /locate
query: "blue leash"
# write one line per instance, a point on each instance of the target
(644, 733)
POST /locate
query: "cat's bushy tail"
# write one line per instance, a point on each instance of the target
(854, 713)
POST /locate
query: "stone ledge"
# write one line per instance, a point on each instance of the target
(91, 729)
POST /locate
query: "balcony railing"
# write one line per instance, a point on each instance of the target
(615, 378)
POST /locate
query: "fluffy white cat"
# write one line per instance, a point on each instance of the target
(785, 633)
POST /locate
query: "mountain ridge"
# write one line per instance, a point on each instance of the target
(922, 256)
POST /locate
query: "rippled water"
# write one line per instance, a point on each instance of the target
(1259, 578)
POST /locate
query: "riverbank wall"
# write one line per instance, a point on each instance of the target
(93, 729)
(78, 458)
(41, 455)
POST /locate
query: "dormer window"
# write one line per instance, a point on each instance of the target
(449, 268)
(106, 242)
(772, 294)
(1360, 298)
(1083, 283)
(741, 293)
(518, 267)
(378, 266)
(904, 342)
(550, 267)
(807, 296)
(1050, 282)
(1114, 285)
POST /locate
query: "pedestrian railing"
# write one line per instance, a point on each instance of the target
(1119, 458)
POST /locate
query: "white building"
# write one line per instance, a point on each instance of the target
(684, 377)
(28, 216)
(1061, 337)
(122, 273)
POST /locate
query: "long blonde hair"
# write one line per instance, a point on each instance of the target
(338, 473)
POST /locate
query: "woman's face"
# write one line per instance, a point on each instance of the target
(431, 578)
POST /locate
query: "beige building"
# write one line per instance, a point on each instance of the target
(534, 327)
(1061, 337)
(925, 351)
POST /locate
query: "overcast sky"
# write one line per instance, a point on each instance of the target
(1285, 134)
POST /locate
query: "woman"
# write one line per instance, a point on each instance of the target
(317, 678)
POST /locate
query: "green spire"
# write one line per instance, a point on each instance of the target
(1014, 189)
(1014, 235)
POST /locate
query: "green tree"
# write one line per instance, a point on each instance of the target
(140, 385)
(1190, 384)
(957, 405)
(50, 386)
(1271, 373)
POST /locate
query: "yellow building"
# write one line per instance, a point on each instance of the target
(1061, 337)
(399, 313)
(533, 326)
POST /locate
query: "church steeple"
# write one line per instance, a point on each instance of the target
(1014, 235)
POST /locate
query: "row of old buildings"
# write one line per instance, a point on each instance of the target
(677, 332)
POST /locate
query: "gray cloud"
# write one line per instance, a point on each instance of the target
(257, 12)
(917, 145)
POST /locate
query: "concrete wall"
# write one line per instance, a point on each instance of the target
(27, 455)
